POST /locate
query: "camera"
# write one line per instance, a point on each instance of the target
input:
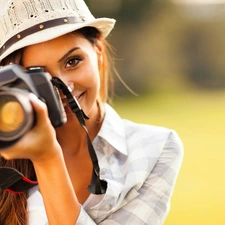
(16, 112)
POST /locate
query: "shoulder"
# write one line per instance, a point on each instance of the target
(131, 137)
(147, 135)
(156, 149)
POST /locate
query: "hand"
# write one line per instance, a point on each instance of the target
(41, 147)
(40, 142)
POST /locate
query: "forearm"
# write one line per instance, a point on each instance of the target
(60, 200)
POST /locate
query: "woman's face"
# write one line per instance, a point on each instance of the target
(74, 60)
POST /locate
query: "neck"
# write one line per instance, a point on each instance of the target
(95, 121)
(72, 136)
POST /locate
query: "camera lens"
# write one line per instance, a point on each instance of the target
(11, 116)
(16, 114)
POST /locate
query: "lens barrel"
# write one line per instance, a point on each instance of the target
(16, 114)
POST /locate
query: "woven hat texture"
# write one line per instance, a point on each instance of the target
(27, 22)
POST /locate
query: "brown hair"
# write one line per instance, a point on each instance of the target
(13, 206)
(94, 36)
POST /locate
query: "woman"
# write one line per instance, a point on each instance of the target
(138, 163)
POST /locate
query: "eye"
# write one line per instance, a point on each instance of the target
(73, 61)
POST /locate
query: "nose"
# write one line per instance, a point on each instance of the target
(70, 86)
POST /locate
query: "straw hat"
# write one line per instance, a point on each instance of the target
(27, 22)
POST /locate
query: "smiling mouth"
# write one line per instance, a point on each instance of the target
(78, 98)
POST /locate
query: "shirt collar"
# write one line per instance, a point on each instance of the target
(113, 131)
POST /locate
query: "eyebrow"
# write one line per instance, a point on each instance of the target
(68, 53)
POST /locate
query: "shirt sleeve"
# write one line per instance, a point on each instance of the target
(152, 203)
(35, 208)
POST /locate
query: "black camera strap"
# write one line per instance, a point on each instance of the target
(96, 186)
(13, 181)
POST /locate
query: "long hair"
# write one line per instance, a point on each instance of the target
(13, 207)
(106, 78)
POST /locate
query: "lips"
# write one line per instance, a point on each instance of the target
(78, 98)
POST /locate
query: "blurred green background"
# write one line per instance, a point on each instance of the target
(173, 56)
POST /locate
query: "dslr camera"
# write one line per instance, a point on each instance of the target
(16, 113)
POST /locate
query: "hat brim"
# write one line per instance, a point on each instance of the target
(104, 25)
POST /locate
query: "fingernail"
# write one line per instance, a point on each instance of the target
(33, 97)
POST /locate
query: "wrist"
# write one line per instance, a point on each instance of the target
(48, 155)
(53, 179)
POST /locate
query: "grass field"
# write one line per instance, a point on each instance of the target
(199, 119)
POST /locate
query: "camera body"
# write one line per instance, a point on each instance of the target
(16, 83)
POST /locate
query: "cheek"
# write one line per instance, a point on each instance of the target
(91, 76)
(94, 82)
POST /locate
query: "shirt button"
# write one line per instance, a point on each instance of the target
(103, 171)
(107, 207)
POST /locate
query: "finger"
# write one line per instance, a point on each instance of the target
(40, 109)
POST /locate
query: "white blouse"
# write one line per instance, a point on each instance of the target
(140, 164)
